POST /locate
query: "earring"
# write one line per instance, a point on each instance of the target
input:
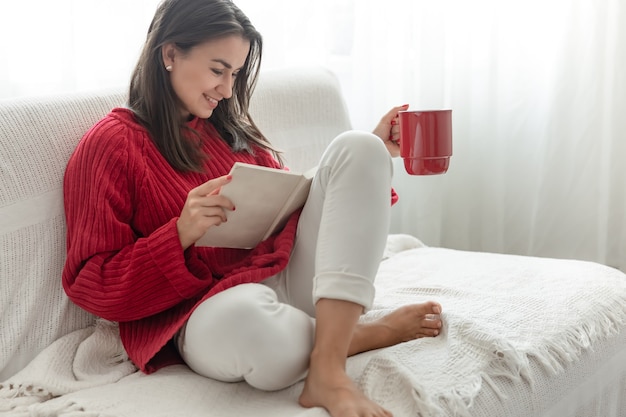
(168, 68)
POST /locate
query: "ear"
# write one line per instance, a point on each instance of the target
(168, 53)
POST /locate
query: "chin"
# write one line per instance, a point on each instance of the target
(203, 114)
(201, 110)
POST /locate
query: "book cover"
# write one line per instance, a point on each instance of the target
(264, 199)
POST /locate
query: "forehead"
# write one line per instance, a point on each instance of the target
(232, 50)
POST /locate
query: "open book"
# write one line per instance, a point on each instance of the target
(264, 199)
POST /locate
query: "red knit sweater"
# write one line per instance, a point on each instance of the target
(125, 262)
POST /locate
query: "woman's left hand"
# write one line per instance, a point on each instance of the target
(388, 130)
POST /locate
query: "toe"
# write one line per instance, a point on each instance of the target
(435, 307)
(428, 332)
(431, 322)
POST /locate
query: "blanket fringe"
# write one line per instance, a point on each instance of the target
(392, 378)
(82, 359)
(18, 395)
(514, 364)
(508, 363)
(560, 350)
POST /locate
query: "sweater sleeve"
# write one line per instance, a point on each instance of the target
(110, 271)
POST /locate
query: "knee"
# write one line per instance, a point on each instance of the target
(246, 333)
(365, 146)
(245, 303)
(361, 152)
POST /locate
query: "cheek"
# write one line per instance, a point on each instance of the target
(179, 84)
(188, 82)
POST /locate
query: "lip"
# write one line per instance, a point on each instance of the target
(212, 102)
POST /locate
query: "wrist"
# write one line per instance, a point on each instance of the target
(185, 242)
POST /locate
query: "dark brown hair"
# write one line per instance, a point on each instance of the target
(188, 23)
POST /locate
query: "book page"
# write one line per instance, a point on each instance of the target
(296, 200)
(259, 195)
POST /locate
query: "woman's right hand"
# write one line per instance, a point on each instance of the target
(203, 209)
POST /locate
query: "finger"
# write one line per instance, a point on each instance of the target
(393, 113)
(215, 215)
(394, 134)
(215, 200)
(204, 212)
(212, 185)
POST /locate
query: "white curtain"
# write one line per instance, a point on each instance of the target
(538, 93)
(69, 45)
(537, 89)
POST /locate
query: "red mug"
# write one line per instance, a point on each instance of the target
(426, 141)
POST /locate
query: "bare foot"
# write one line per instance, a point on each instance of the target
(413, 321)
(327, 385)
(401, 325)
(330, 387)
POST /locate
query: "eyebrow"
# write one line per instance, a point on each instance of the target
(224, 63)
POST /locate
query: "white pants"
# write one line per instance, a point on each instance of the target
(264, 333)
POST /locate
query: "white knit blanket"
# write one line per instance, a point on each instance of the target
(499, 312)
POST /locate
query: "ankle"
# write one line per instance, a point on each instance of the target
(326, 362)
(373, 335)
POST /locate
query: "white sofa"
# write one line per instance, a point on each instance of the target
(300, 113)
(523, 336)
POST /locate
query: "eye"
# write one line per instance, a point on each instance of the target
(217, 71)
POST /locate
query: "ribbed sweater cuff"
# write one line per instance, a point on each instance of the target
(167, 254)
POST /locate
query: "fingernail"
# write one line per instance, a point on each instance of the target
(437, 310)
(229, 177)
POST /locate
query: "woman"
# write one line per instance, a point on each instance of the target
(142, 187)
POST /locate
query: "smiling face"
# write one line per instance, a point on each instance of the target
(205, 74)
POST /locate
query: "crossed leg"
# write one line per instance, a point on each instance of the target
(341, 238)
(338, 335)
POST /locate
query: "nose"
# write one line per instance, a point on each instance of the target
(225, 88)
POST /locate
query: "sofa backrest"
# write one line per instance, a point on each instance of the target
(299, 110)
